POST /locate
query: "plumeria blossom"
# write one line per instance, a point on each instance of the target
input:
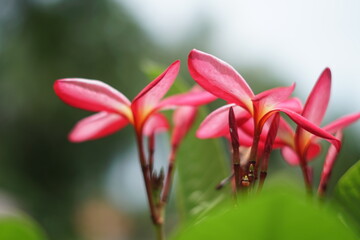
(303, 146)
(222, 80)
(115, 111)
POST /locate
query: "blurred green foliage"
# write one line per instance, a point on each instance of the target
(20, 228)
(347, 196)
(41, 42)
(277, 213)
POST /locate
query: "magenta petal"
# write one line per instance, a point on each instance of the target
(317, 102)
(290, 156)
(245, 139)
(286, 133)
(313, 151)
(328, 165)
(147, 100)
(155, 124)
(91, 95)
(216, 123)
(183, 119)
(192, 98)
(268, 100)
(342, 122)
(310, 127)
(274, 96)
(219, 78)
(270, 138)
(293, 104)
(97, 126)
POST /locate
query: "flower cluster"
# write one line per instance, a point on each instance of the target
(256, 126)
(251, 122)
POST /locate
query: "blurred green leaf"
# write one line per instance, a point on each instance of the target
(19, 228)
(201, 165)
(347, 195)
(278, 213)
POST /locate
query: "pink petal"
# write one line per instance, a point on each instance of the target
(342, 122)
(195, 97)
(328, 166)
(183, 119)
(271, 135)
(286, 133)
(274, 96)
(97, 126)
(245, 139)
(220, 79)
(216, 123)
(268, 100)
(317, 102)
(92, 95)
(310, 127)
(313, 151)
(147, 100)
(155, 124)
(293, 104)
(290, 156)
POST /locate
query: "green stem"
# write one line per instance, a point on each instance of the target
(307, 181)
(160, 233)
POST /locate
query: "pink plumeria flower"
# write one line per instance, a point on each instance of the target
(115, 111)
(222, 80)
(303, 146)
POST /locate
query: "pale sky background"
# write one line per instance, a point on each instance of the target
(294, 39)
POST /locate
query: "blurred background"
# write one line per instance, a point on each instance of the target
(94, 190)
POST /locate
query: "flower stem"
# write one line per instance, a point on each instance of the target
(306, 174)
(160, 233)
(253, 164)
(235, 150)
(169, 176)
(151, 147)
(155, 211)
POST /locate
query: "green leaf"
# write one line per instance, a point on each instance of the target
(278, 213)
(201, 165)
(20, 228)
(347, 195)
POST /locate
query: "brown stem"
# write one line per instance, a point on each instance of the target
(307, 180)
(151, 150)
(264, 161)
(147, 180)
(235, 149)
(253, 157)
(169, 176)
